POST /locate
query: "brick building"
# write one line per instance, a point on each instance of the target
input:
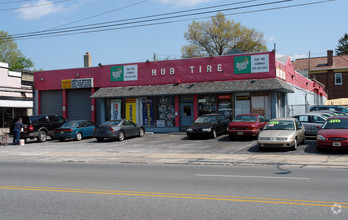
(331, 71)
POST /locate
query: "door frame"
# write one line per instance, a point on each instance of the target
(181, 108)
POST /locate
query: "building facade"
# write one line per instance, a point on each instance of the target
(16, 94)
(167, 96)
(331, 71)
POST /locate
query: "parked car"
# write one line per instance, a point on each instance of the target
(329, 107)
(77, 129)
(39, 126)
(246, 125)
(333, 134)
(208, 125)
(311, 121)
(331, 112)
(282, 133)
(118, 129)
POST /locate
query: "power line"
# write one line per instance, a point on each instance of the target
(12, 2)
(135, 24)
(104, 13)
(89, 27)
(138, 18)
(33, 6)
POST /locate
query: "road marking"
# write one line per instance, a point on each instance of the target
(178, 196)
(259, 177)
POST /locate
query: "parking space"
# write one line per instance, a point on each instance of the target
(165, 143)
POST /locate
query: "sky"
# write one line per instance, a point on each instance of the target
(293, 30)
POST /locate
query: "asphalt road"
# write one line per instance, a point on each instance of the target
(128, 191)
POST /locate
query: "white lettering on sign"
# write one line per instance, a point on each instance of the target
(193, 69)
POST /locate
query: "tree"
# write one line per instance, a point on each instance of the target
(218, 36)
(342, 47)
(9, 53)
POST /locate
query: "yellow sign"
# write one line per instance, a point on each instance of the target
(131, 111)
(66, 84)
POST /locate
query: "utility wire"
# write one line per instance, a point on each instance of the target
(12, 2)
(137, 18)
(104, 13)
(174, 21)
(33, 6)
(85, 28)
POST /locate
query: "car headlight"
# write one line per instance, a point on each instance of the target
(206, 129)
(189, 129)
(321, 138)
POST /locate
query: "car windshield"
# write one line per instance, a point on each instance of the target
(245, 118)
(280, 125)
(112, 123)
(70, 124)
(205, 119)
(336, 123)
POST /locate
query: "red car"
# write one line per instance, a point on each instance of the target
(333, 134)
(246, 125)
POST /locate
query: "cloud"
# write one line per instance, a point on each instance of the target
(271, 39)
(183, 3)
(37, 10)
(292, 57)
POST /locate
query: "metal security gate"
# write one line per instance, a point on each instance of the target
(51, 102)
(79, 104)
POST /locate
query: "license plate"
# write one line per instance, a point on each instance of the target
(240, 133)
(62, 132)
(336, 144)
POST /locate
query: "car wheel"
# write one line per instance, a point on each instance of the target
(232, 138)
(120, 136)
(213, 134)
(295, 145)
(304, 140)
(78, 136)
(61, 139)
(100, 139)
(190, 136)
(42, 137)
(141, 132)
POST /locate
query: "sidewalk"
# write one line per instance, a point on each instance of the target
(137, 151)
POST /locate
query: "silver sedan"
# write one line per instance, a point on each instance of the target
(282, 133)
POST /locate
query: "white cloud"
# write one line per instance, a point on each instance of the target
(292, 57)
(40, 9)
(271, 39)
(183, 3)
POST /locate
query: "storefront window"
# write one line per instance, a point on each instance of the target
(225, 105)
(207, 104)
(165, 112)
(148, 112)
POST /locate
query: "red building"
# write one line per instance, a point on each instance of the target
(331, 71)
(169, 95)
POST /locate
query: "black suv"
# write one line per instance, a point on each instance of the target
(39, 126)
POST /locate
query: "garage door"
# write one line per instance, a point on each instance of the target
(79, 104)
(51, 102)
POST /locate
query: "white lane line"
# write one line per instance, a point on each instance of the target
(247, 146)
(260, 177)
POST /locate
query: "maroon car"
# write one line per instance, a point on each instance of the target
(246, 125)
(333, 134)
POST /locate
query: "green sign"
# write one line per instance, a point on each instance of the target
(242, 64)
(116, 73)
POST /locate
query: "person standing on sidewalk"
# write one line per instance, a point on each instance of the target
(17, 131)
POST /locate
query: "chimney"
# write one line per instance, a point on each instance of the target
(87, 60)
(330, 57)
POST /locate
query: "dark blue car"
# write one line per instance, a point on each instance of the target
(76, 129)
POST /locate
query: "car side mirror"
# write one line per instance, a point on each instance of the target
(261, 129)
